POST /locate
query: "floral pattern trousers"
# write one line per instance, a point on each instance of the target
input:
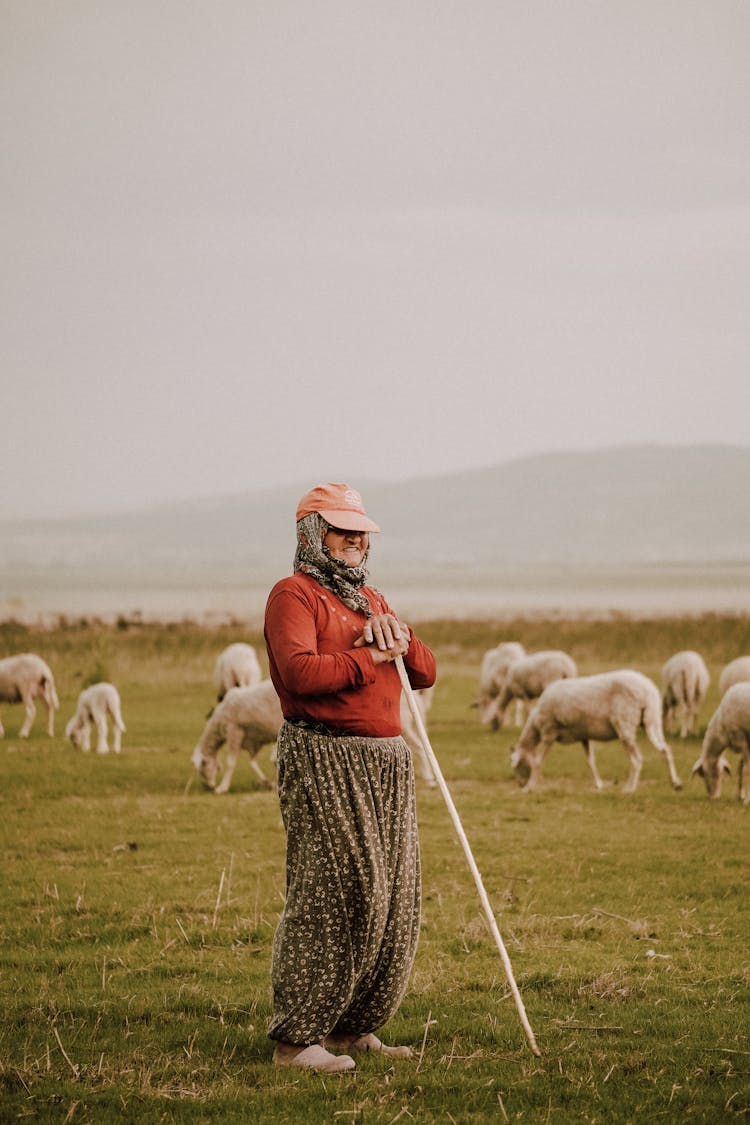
(345, 944)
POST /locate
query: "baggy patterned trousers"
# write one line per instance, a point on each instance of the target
(346, 941)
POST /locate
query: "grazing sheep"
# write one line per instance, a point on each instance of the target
(728, 729)
(736, 672)
(23, 679)
(602, 707)
(530, 675)
(246, 719)
(685, 678)
(496, 664)
(423, 697)
(95, 703)
(236, 666)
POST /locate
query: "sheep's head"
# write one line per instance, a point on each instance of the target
(207, 767)
(73, 732)
(519, 761)
(711, 770)
(487, 705)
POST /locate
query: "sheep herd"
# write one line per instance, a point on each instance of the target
(552, 704)
(567, 708)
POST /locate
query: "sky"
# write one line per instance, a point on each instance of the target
(249, 244)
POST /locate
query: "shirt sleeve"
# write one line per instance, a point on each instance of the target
(292, 640)
(420, 665)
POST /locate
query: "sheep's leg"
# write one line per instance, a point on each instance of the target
(30, 713)
(520, 712)
(101, 742)
(504, 700)
(636, 765)
(119, 727)
(665, 749)
(2, 730)
(689, 712)
(588, 749)
(258, 771)
(86, 736)
(744, 776)
(50, 719)
(425, 768)
(231, 754)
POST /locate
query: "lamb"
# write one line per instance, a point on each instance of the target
(95, 704)
(24, 678)
(530, 675)
(236, 666)
(496, 664)
(685, 678)
(736, 672)
(246, 719)
(423, 697)
(728, 729)
(602, 707)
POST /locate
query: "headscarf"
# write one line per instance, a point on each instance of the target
(313, 558)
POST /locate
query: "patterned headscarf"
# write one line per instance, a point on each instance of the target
(313, 558)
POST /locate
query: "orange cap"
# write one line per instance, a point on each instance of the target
(339, 505)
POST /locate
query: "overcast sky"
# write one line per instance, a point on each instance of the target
(252, 243)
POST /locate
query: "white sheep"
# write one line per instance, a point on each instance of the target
(246, 719)
(236, 666)
(423, 698)
(685, 678)
(24, 678)
(728, 729)
(530, 675)
(95, 705)
(492, 675)
(736, 672)
(602, 707)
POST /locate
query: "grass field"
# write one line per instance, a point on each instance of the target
(138, 910)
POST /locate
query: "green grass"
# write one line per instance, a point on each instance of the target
(132, 990)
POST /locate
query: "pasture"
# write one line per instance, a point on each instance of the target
(138, 910)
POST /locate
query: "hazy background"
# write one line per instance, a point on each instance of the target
(250, 244)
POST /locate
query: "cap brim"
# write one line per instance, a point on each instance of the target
(348, 521)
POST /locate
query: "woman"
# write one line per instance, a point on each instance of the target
(346, 941)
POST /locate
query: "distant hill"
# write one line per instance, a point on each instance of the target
(610, 507)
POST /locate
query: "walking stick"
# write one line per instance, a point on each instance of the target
(416, 715)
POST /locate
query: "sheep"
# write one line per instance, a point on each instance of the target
(24, 678)
(95, 703)
(728, 729)
(603, 707)
(685, 678)
(736, 672)
(530, 675)
(246, 719)
(423, 698)
(236, 666)
(492, 675)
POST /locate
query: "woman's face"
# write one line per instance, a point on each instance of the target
(348, 547)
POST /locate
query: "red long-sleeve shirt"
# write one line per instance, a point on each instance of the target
(317, 673)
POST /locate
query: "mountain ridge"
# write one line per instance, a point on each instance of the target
(619, 505)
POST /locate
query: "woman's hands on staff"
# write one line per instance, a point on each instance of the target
(386, 636)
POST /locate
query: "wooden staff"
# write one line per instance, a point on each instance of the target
(416, 714)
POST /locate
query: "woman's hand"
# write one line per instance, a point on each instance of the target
(386, 635)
